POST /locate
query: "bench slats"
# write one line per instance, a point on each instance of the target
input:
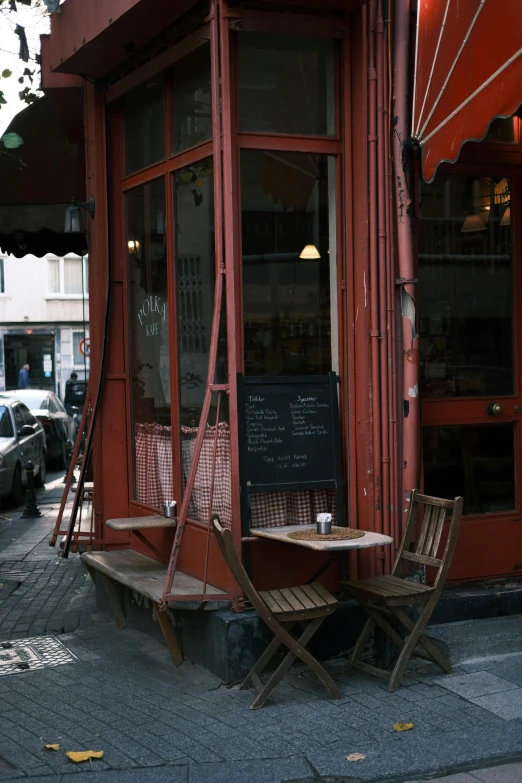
(143, 574)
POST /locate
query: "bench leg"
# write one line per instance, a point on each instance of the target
(114, 601)
(169, 635)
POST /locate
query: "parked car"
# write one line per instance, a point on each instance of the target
(60, 427)
(22, 438)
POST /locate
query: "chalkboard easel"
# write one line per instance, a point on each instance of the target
(289, 437)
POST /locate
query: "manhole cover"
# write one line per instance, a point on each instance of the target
(31, 654)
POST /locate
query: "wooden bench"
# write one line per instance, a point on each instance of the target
(143, 575)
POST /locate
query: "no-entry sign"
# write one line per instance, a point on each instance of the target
(85, 346)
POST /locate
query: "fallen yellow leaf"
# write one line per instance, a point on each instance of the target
(402, 726)
(52, 747)
(356, 756)
(84, 755)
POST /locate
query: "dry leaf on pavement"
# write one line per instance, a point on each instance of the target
(52, 747)
(84, 755)
(356, 756)
(402, 726)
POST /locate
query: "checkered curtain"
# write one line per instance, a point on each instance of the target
(153, 464)
(199, 507)
(276, 509)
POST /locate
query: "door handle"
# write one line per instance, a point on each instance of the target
(495, 409)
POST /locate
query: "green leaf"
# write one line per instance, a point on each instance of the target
(12, 141)
(6, 73)
(2, 99)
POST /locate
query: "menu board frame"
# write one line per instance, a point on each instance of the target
(258, 388)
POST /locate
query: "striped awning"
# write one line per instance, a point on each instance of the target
(468, 71)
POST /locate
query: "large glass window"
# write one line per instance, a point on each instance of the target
(191, 101)
(195, 280)
(149, 342)
(144, 125)
(466, 287)
(289, 262)
(475, 461)
(286, 84)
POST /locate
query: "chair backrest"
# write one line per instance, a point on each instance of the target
(232, 559)
(426, 547)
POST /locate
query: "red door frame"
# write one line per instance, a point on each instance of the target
(489, 544)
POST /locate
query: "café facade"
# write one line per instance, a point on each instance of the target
(261, 215)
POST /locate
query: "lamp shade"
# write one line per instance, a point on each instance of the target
(73, 221)
(473, 223)
(309, 251)
(506, 217)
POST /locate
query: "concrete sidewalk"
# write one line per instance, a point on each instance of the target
(121, 694)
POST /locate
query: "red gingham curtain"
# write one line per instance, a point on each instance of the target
(199, 507)
(153, 464)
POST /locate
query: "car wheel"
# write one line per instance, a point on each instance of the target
(39, 480)
(15, 496)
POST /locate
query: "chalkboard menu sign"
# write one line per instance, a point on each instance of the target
(289, 435)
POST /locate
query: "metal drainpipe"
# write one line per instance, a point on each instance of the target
(377, 563)
(411, 411)
(390, 286)
(383, 342)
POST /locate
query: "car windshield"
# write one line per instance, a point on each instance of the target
(6, 425)
(34, 401)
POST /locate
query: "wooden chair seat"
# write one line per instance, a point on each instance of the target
(281, 610)
(299, 603)
(392, 587)
(383, 596)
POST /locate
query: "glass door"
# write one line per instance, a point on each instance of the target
(469, 368)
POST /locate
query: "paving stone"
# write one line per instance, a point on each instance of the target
(475, 684)
(506, 704)
(267, 771)
(507, 773)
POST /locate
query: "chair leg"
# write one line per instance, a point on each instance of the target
(361, 643)
(297, 650)
(425, 641)
(262, 662)
(410, 644)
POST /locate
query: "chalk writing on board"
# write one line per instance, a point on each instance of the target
(288, 432)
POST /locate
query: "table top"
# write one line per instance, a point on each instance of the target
(281, 534)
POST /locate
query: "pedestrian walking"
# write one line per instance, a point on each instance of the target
(23, 379)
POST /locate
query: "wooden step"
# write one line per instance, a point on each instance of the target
(143, 574)
(140, 523)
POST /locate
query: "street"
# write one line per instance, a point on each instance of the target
(119, 692)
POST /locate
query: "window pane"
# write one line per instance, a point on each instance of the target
(72, 275)
(286, 84)
(195, 279)
(475, 461)
(149, 343)
(53, 275)
(289, 263)
(77, 356)
(144, 130)
(465, 287)
(192, 101)
(6, 425)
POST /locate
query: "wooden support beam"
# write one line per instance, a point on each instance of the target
(169, 635)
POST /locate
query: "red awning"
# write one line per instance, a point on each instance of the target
(468, 71)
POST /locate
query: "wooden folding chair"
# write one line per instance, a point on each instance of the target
(308, 605)
(385, 596)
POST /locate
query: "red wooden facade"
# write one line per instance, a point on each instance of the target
(284, 168)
